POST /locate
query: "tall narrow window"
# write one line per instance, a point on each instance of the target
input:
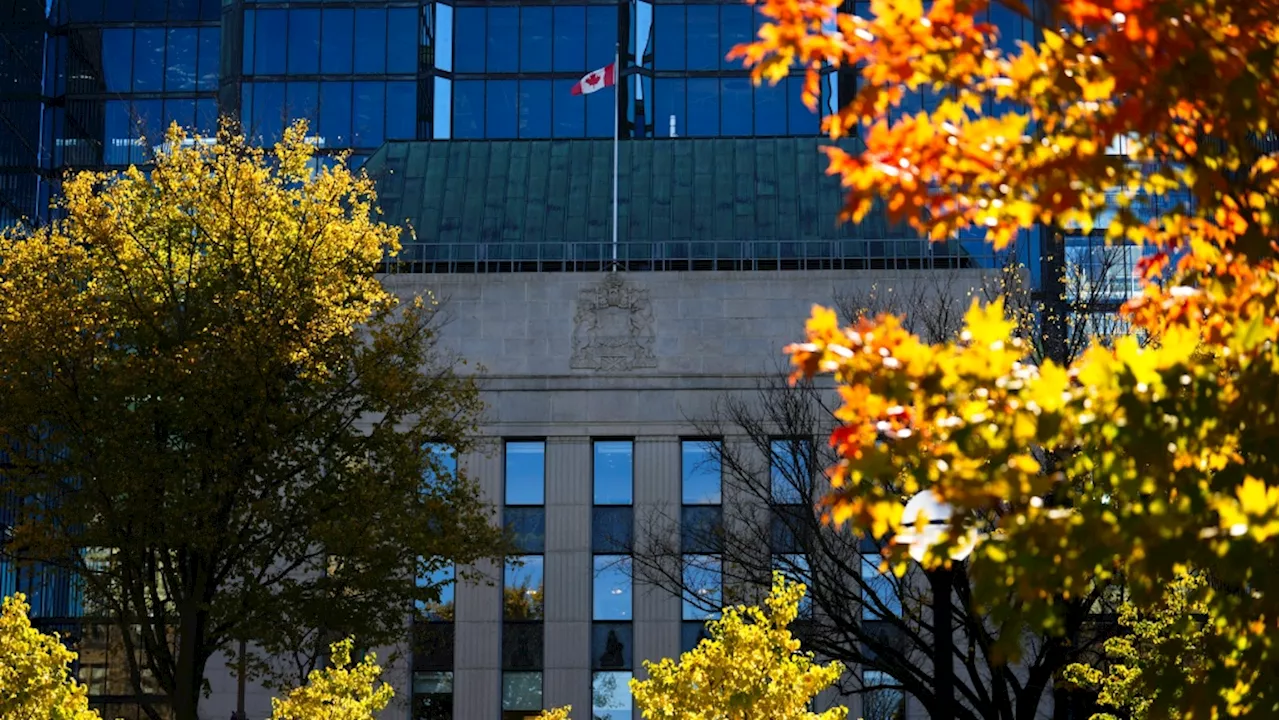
(522, 636)
(433, 643)
(611, 604)
(883, 698)
(880, 590)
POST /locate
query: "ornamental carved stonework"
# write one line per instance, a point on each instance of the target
(613, 327)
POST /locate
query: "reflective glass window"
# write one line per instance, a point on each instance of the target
(182, 112)
(302, 101)
(369, 102)
(883, 698)
(442, 109)
(117, 59)
(771, 109)
(611, 644)
(525, 471)
(789, 527)
(180, 65)
(800, 119)
(441, 462)
(335, 114)
(402, 40)
(702, 25)
(184, 10)
(268, 106)
(335, 40)
(882, 585)
(692, 632)
(502, 52)
(528, 525)
(612, 529)
(246, 47)
(535, 108)
(700, 472)
(522, 588)
(735, 106)
(468, 109)
(535, 39)
(668, 101)
(521, 693)
(704, 107)
(83, 10)
(118, 10)
(602, 36)
(669, 37)
(149, 10)
(736, 27)
(569, 114)
(701, 529)
(522, 645)
(444, 36)
(702, 580)
(268, 45)
(432, 696)
(148, 116)
(442, 580)
(148, 60)
(610, 696)
(612, 470)
(304, 41)
(600, 113)
(611, 587)
(469, 39)
(789, 470)
(206, 117)
(207, 64)
(500, 106)
(371, 41)
(571, 38)
(402, 110)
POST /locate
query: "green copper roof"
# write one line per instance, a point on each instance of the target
(484, 200)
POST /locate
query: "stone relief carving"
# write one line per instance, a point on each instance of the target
(613, 327)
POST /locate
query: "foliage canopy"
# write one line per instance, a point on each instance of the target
(35, 671)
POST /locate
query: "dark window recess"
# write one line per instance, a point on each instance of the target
(522, 645)
(789, 527)
(611, 646)
(433, 646)
(611, 530)
(529, 525)
(701, 529)
(692, 632)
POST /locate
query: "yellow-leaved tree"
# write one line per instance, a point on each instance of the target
(35, 671)
(337, 692)
(1133, 461)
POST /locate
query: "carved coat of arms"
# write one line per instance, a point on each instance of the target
(613, 327)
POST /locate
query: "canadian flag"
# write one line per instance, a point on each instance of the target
(594, 80)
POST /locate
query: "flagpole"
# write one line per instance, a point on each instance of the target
(617, 100)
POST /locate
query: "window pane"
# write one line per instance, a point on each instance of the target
(182, 112)
(525, 468)
(335, 114)
(704, 107)
(444, 36)
(268, 48)
(207, 67)
(700, 529)
(735, 106)
(304, 41)
(441, 462)
(789, 527)
(443, 581)
(469, 39)
(503, 40)
(571, 38)
(148, 115)
(442, 109)
(611, 529)
(789, 471)
(882, 701)
(612, 472)
(371, 41)
(669, 40)
(402, 110)
(522, 645)
(180, 66)
(882, 586)
(771, 109)
(148, 60)
(522, 691)
(184, 10)
(522, 588)
(611, 587)
(602, 35)
(529, 526)
(535, 39)
(402, 40)
(700, 472)
(432, 696)
(302, 102)
(600, 113)
(500, 109)
(117, 56)
(735, 28)
(702, 579)
(468, 110)
(268, 111)
(692, 632)
(669, 102)
(611, 646)
(149, 9)
(703, 27)
(370, 110)
(335, 45)
(206, 117)
(801, 120)
(535, 108)
(611, 696)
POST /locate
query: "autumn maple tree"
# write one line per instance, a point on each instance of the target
(1139, 460)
